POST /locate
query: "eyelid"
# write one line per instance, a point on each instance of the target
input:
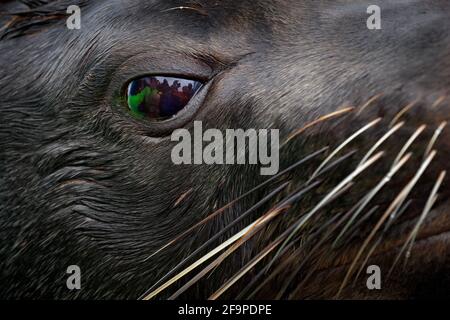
(178, 66)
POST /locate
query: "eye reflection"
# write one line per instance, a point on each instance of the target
(159, 97)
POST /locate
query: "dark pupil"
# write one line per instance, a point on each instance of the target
(159, 97)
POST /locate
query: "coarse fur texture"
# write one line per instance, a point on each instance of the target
(81, 183)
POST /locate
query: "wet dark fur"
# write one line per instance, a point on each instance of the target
(81, 184)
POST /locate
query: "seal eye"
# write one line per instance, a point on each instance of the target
(159, 98)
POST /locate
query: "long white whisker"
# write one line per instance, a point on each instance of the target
(429, 204)
(373, 193)
(394, 205)
(433, 139)
(343, 144)
(200, 261)
(402, 112)
(409, 143)
(381, 141)
(329, 196)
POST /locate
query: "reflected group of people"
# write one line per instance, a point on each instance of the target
(160, 97)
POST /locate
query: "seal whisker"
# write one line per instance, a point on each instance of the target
(413, 234)
(278, 269)
(398, 201)
(200, 261)
(335, 196)
(364, 218)
(381, 141)
(311, 252)
(374, 192)
(317, 121)
(333, 164)
(434, 138)
(248, 267)
(330, 195)
(182, 197)
(366, 259)
(337, 162)
(345, 143)
(438, 101)
(368, 103)
(409, 143)
(250, 232)
(296, 195)
(402, 112)
(349, 213)
(273, 274)
(426, 211)
(217, 235)
(222, 209)
(391, 219)
(398, 213)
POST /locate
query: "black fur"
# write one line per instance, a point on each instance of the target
(81, 183)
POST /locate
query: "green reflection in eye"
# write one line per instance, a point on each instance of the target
(135, 101)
